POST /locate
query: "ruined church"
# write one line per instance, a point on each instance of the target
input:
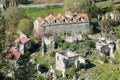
(68, 24)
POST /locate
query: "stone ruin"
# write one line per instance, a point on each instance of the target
(74, 38)
(107, 46)
(65, 60)
(48, 44)
(51, 75)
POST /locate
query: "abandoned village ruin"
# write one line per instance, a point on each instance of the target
(66, 58)
(107, 46)
(71, 26)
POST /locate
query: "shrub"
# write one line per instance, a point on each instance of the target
(90, 44)
(52, 54)
(39, 77)
(65, 46)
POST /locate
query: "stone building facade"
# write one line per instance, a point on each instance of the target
(4, 4)
(71, 23)
(48, 44)
(66, 58)
(22, 44)
(107, 46)
(76, 38)
(112, 15)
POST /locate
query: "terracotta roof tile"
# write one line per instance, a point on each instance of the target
(85, 16)
(14, 53)
(69, 14)
(22, 40)
(50, 18)
(60, 17)
(41, 21)
(69, 17)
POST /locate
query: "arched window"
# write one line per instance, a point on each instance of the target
(55, 21)
(71, 19)
(63, 21)
(79, 19)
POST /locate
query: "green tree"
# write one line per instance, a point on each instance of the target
(117, 31)
(25, 25)
(82, 6)
(13, 15)
(0, 13)
(26, 69)
(111, 2)
(117, 8)
(106, 25)
(5, 44)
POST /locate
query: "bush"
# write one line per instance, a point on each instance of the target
(39, 77)
(43, 68)
(52, 54)
(66, 45)
(90, 44)
(70, 74)
(25, 25)
(59, 41)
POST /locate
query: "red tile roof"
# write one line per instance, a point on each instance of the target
(60, 17)
(22, 40)
(69, 14)
(85, 16)
(51, 18)
(14, 53)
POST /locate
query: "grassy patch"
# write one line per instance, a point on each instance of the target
(117, 31)
(42, 12)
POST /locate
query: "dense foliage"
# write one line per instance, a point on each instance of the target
(82, 6)
(13, 15)
(25, 25)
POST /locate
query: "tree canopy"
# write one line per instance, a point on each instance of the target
(13, 15)
(117, 8)
(25, 25)
(81, 6)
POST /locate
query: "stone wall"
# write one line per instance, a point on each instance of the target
(73, 28)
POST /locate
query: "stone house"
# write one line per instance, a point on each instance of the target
(48, 44)
(66, 58)
(107, 46)
(4, 4)
(113, 15)
(70, 23)
(22, 44)
(51, 75)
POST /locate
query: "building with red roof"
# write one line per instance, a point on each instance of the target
(22, 44)
(22, 40)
